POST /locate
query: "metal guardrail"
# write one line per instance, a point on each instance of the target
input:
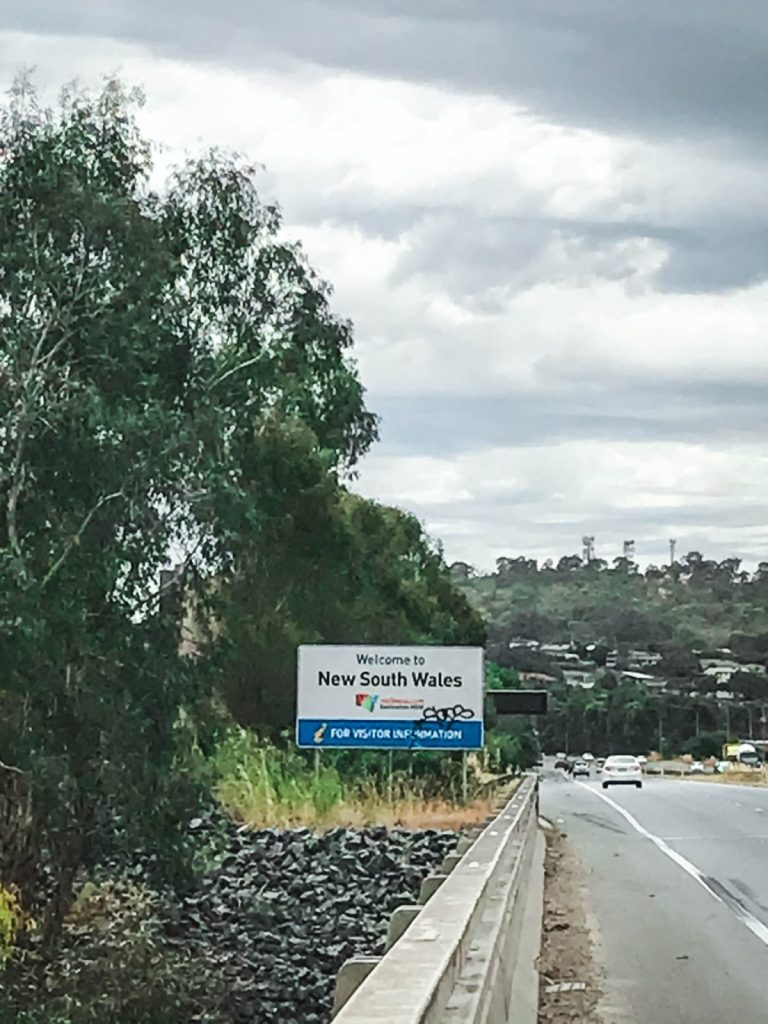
(455, 962)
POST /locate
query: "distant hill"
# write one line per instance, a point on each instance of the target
(696, 603)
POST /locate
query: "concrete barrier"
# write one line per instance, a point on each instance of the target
(468, 956)
(665, 770)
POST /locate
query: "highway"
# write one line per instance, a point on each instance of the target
(676, 880)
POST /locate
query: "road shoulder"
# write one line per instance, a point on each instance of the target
(570, 980)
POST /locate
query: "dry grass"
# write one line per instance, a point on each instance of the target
(400, 812)
(406, 813)
(759, 779)
(265, 787)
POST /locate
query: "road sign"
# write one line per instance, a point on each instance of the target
(520, 702)
(386, 697)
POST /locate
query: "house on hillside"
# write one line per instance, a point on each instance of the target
(722, 671)
(582, 676)
(635, 659)
(649, 681)
(540, 678)
(755, 668)
(716, 662)
(560, 654)
(644, 659)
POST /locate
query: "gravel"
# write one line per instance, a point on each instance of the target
(285, 908)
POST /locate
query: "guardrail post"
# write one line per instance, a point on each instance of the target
(450, 862)
(429, 886)
(352, 974)
(399, 921)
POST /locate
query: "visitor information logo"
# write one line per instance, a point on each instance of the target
(367, 701)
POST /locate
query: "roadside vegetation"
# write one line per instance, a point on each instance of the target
(173, 378)
(262, 784)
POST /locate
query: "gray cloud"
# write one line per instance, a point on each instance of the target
(691, 65)
(716, 259)
(661, 411)
(474, 256)
(477, 257)
(687, 74)
(692, 69)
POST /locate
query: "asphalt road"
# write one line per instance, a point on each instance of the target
(677, 888)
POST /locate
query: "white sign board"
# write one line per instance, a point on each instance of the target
(420, 698)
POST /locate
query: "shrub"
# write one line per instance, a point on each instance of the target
(112, 962)
(12, 922)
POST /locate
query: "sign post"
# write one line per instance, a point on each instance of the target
(389, 698)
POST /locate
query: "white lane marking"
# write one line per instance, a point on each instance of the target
(755, 925)
(709, 839)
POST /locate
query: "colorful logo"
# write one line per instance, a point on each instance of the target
(366, 701)
(320, 733)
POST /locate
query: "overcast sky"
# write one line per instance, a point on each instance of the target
(548, 221)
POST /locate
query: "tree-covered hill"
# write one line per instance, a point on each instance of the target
(694, 603)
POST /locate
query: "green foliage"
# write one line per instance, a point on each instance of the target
(626, 718)
(172, 378)
(325, 565)
(113, 962)
(276, 784)
(500, 678)
(261, 783)
(12, 922)
(695, 602)
(511, 749)
(708, 744)
(149, 342)
(510, 742)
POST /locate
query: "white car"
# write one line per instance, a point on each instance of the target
(588, 758)
(622, 770)
(642, 759)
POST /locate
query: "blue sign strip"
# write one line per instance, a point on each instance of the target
(388, 734)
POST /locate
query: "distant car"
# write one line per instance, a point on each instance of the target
(599, 762)
(696, 766)
(622, 770)
(580, 767)
(588, 758)
(561, 761)
(642, 759)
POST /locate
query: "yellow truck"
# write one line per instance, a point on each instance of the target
(741, 752)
